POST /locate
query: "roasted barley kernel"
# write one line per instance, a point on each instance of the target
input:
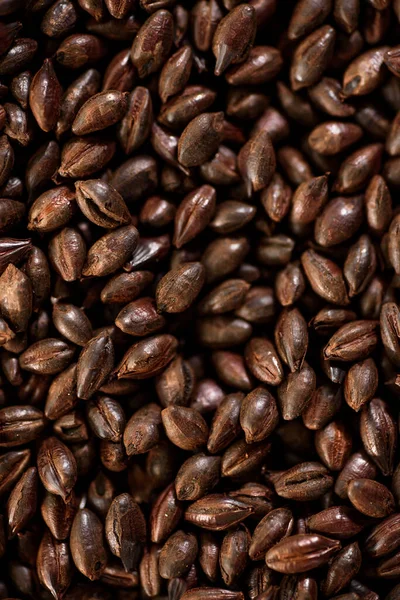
(199, 299)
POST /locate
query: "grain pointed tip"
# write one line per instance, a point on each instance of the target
(127, 560)
(223, 59)
(248, 188)
(184, 169)
(296, 85)
(326, 354)
(82, 394)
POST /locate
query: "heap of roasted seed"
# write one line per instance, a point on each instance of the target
(199, 276)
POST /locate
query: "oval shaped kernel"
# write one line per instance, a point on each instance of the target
(99, 112)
